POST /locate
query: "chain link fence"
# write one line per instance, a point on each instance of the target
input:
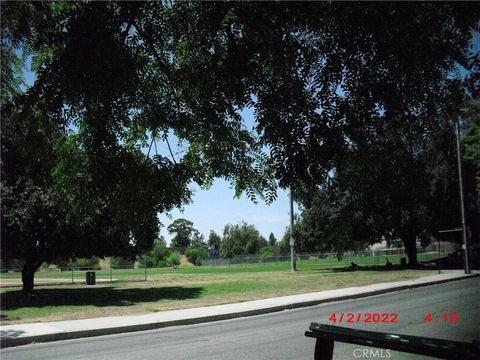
(368, 257)
(76, 275)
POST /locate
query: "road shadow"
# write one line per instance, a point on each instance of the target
(107, 296)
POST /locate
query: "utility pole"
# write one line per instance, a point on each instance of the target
(465, 246)
(292, 241)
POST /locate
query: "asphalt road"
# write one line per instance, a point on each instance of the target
(281, 335)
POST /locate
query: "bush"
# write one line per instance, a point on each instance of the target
(120, 262)
(156, 257)
(196, 255)
(266, 251)
(92, 263)
(173, 260)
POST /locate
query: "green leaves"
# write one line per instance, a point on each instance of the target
(325, 76)
(196, 255)
(471, 139)
(184, 232)
(242, 239)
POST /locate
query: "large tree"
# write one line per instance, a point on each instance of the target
(272, 240)
(32, 229)
(79, 181)
(333, 220)
(324, 77)
(398, 187)
(240, 239)
(344, 83)
(184, 232)
(471, 142)
(214, 240)
(57, 204)
(320, 76)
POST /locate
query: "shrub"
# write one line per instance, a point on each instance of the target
(266, 251)
(173, 260)
(156, 257)
(196, 255)
(162, 264)
(120, 262)
(92, 263)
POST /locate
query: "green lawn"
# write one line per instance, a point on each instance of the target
(168, 289)
(139, 274)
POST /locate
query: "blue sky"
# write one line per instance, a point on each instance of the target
(214, 208)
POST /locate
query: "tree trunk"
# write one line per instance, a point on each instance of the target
(410, 244)
(28, 274)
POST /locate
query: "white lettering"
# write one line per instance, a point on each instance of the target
(372, 353)
(355, 353)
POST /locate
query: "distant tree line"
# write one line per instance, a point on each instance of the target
(236, 240)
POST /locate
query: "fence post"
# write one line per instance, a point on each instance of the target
(72, 275)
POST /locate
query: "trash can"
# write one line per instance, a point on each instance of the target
(90, 277)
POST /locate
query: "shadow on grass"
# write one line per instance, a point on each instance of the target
(107, 296)
(366, 267)
(390, 267)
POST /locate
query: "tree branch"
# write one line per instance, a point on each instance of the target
(166, 72)
(164, 67)
(170, 149)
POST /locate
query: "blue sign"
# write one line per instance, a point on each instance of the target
(213, 254)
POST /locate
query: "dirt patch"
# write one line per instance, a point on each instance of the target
(184, 262)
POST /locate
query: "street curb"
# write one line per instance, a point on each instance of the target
(10, 342)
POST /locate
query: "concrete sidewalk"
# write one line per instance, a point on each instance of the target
(21, 334)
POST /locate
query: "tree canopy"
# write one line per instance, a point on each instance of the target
(324, 81)
(272, 240)
(214, 240)
(240, 239)
(184, 232)
(472, 137)
(397, 188)
(327, 77)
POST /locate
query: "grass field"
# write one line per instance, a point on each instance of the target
(139, 274)
(168, 289)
